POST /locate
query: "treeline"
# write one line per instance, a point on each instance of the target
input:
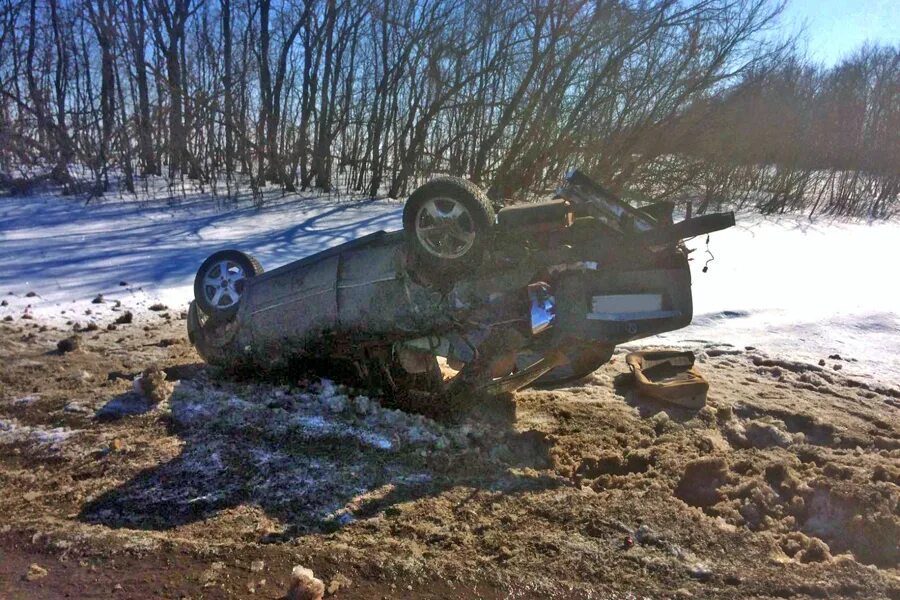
(653, 97)
(795, 137)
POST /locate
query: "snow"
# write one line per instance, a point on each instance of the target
(783, 284)
(286, 449)
(14, 432)
(803, 290)
(65, 251)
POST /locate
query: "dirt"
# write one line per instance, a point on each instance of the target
(194, 485)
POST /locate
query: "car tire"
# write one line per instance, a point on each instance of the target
(447, 222)
(220, 283)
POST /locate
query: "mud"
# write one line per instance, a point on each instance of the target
(197, 485)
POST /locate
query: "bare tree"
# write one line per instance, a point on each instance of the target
(692, 100)
(169, 18)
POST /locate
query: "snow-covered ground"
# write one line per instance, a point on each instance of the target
(785, 285)
(67, 252)
(804, 290)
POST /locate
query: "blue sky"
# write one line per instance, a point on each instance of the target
(835, 28)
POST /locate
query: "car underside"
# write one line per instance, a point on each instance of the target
(463, 301)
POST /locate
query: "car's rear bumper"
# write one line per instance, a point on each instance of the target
(617, 306)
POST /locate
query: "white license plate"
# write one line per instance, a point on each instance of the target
(626, 303)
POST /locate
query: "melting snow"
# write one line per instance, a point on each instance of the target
(13, 432)
(284, 449)
(25, 400)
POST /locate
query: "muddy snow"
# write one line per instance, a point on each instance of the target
(786, 484)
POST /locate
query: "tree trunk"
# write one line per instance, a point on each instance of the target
(321, 159)
(227, 85)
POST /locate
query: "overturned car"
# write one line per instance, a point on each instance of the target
(463, 300)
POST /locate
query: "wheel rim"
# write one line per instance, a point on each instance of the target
(223, 284)
(445, 228)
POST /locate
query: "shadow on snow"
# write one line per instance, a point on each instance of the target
(88, 250)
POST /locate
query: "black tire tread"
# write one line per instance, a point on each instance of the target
(214, 315)
(483, 214)
(434, 186)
